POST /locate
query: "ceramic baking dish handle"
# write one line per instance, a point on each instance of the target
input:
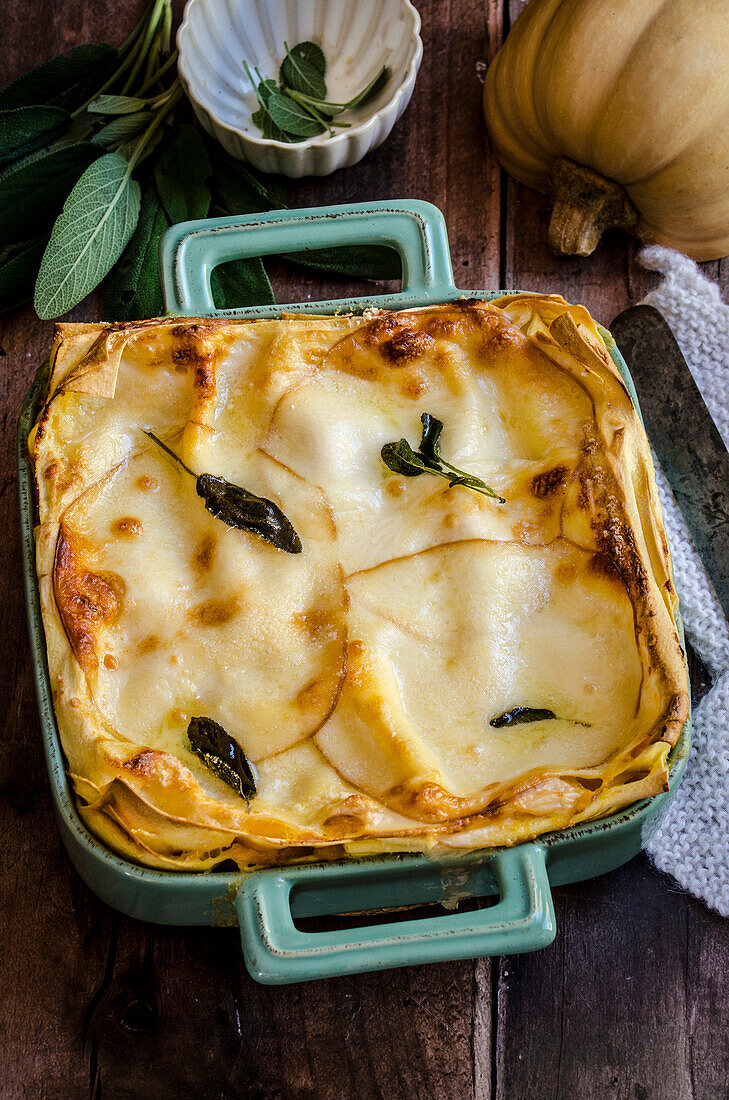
(190, 251)
(276, 951)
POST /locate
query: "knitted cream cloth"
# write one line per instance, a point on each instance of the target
(693, 842)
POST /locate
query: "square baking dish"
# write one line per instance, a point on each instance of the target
(264, 903)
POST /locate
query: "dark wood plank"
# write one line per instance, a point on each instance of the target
(610, 1009)
(180, 1009)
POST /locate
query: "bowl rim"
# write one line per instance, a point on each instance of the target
(319, 140)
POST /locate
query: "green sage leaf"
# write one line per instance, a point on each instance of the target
(262, 119)
(65, 82)
(133, 289)
(241, 283)
(97, 221)
(429, 443)
(370, 90)
(116, 105)
(122, 129)
(370, 261)
(237, 189)
(181, 171)
(224, 756)
(265, 89)
(129, 149)
(319, 107)
(301, 74)
(292, 118)
(311, 53)
(32, 190)
(18, 269)
(402, 459)
(24, 129)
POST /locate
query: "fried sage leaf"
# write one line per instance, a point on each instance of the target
(430, 441)
(402, 459)
(222, 755)
(519, 716)
(237, 507)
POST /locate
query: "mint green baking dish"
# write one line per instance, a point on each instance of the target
(265, 903)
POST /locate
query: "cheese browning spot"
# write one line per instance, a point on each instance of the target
(204, 556)
(195, 349)
(313, 695)
(149, 644)
(127, 527)
(143, 763)
(406, 346)
(394, 487)
(445, 326)
(147, 484)
(602, 566)
(86, 600)
(498, 334)
(567, 571)
(548, 482)
(110, 661)
(315, 623)
(415, 386)
(214, 612)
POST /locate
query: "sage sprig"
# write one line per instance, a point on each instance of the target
(297, 108)
(402, 459)
(71, 215)
(237, 507)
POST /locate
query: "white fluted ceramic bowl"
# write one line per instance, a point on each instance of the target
(358, 37)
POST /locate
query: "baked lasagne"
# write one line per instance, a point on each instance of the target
(326, 586)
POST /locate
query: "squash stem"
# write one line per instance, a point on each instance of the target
(585, 205)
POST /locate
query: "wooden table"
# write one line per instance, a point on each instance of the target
(629, 1002)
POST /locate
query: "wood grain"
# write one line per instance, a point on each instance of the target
(629, 1002)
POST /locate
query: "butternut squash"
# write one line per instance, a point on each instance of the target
(621, 110)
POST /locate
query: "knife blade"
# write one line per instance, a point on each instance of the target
(686, 441)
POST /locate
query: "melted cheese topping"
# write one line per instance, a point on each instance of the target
(363, 675)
